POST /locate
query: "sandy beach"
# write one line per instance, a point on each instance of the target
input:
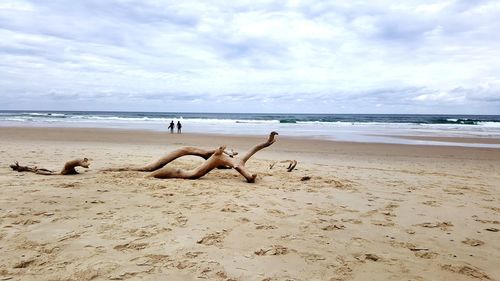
(349, 211)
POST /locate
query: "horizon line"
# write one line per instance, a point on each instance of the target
(277, 113)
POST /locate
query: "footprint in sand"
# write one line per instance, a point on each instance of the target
(76, 184)
(311, 257)
(153, 260)
(131, 246)
(426, 254)
(278, 213)
(466, 270)
(243, 220)
(128, 272)
(26, 222)
(180, 221)
(162, 195)
(265, 226)
(473, 242)
(390, 207)
(234, 208)
(193, 255)
(24, 263)
(70, 235)
(215, 238)
(442, 225)
(476, 218)
(369, 256)
(453, 192)
(97, 249)
(185, 264)
(274, 250)
(410, 231)
(147, 231)
(50, 202)
(344, 184)
(331, 227)
(383, 223)
(387, 213)
(324, 212)
(353, 221)
(432, 203)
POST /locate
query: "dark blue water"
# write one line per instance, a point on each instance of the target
(249, 117)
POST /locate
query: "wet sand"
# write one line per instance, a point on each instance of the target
(367, 211)
(483, 140)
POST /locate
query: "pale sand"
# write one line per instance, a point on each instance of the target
(369, 211)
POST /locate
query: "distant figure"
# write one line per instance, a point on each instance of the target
(179, 127)
(171, 127)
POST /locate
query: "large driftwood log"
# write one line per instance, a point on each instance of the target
(68, 169)
(171, 156)
(217, 159)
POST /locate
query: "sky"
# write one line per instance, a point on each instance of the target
(373, 56)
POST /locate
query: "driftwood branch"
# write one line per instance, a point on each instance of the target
(68, 169)
(258, 147)
(217, 159)
(171, 156)
(291, 164)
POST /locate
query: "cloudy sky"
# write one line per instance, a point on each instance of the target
(372, 56)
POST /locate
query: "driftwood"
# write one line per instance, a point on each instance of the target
(171, 156)
(68, 169)
(291, 164)
(217, 159)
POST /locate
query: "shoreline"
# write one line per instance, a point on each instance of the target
(341, 131)
(306, 147)
(477, 140)
(139, 131)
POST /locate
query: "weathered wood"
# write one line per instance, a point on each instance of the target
(68, 169)
(291, 164)
(217, 159)
(171, 156)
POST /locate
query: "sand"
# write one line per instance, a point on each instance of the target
(368, 211)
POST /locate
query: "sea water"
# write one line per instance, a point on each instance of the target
(342, 127)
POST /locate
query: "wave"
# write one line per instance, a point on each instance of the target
(464, 121)
(47, 114)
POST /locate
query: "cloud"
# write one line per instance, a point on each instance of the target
(303, 56)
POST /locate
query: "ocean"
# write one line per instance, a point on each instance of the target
(342, 127)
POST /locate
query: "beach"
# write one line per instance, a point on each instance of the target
(349, 211)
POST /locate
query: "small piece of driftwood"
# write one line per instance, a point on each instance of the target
(291, 164)
(68, 169)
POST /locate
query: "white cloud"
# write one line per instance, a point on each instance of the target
(313, 56)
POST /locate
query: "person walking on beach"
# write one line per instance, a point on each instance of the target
(171, 127)
(179, 127)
